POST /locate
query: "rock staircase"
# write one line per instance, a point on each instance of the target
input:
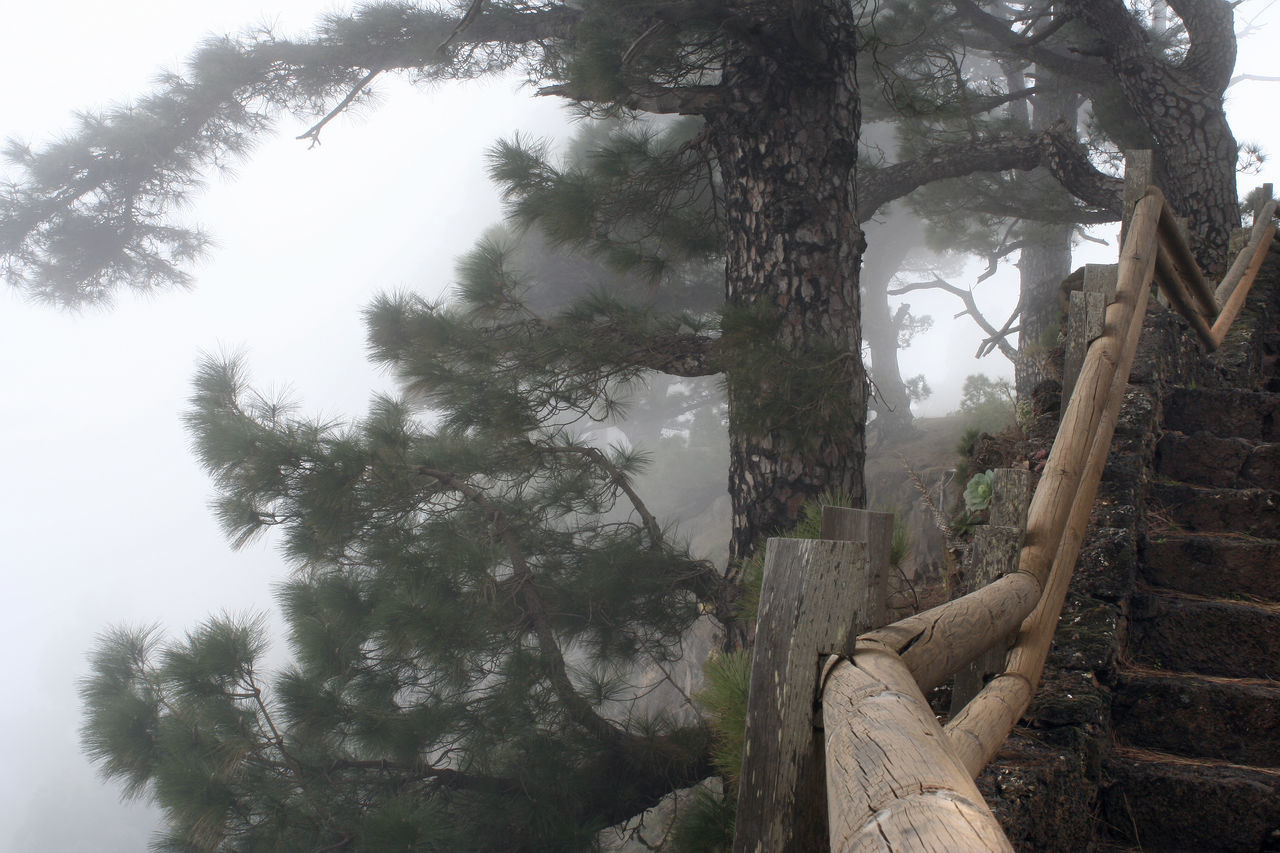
(1157, 726)
(1196, 698)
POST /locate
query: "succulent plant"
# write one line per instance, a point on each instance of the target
(978, 491)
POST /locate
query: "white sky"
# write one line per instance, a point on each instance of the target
(104, 517)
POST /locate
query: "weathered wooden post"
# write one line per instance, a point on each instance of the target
(817, 596)
(1139, 173)
(994, 553)
(1085, 318)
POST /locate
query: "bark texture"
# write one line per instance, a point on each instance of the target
(786, 146)
(1181, 104)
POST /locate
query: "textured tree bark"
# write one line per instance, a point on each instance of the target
(786, 146)
(1181, 103)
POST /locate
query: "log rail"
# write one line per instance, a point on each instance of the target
(895, 778)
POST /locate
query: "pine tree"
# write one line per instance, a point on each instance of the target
(776, 89)
(472, 597)
(1069, 62)
(470, 608)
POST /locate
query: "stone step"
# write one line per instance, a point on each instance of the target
(1161, 802)
(1216, 566)
(1233, 639)
(1236, 720)
(1209, 460)
(1252, 512)
(1227, 412)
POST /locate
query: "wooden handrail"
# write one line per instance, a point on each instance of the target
(892, 771)
(1239, 279)
(1179, 258)
(1264, 219)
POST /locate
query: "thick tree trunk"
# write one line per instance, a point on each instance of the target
(786, 144)
(1181, 103)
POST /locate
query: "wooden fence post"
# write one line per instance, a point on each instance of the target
(994, 553)
(1085, 319)
(815, 598)
(1139, 173)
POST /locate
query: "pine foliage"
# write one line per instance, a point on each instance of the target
(471, 603)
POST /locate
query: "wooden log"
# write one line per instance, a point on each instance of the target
(1240, 292)
(891, 782)
(1173, 287)
(994, 553)
(935, 644)
(1139, 173)
(1231, 280)
(1184, 265)
(810, 588)
(979, 730)
(1051, 504)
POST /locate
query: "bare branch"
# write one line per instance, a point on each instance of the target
(657, 31)
(1000, 38)
(314, 132)
(1257, 78)
(971, 308)
(473, 12)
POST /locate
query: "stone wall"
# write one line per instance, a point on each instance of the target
(1044, 785)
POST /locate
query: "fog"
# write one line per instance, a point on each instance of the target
(105, 519)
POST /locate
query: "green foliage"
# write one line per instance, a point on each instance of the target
(705, 825)
(978, 491)
(917, 388)
(636, 199)
(902, 541)
(469, 600)
(987, 404)
(724, 698)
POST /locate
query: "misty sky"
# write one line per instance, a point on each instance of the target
(104, 519)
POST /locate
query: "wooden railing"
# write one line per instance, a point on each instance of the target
(842, 748)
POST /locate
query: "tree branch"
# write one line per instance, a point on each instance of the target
(1001, 39)
(622, 482)
(1211, 55)
(314, 132)
(447, 777)
(971, 308)
(1258, 78)
(1053, 149)
(675, 100)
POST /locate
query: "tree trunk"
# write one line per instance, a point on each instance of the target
(1046, 257)
(1045, 262)
(889, 242)
(1181, 102)
(786, 144)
